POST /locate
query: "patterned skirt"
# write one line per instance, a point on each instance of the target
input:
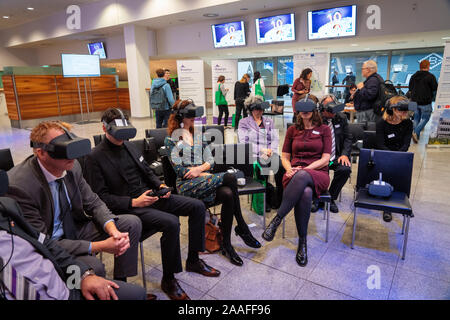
(201, 188)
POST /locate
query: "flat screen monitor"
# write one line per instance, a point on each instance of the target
(332, 23)
(97, 48)
(80, 65)
(275, 29)
(231, 34)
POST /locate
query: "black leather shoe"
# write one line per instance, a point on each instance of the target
(201, 267)
(173, 290)
(271, 229)
(387, 216)
(333, 207)
(248, 238)
(302, 252)
(316, 205)
(232, 255)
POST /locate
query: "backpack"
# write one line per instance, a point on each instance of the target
(385, 92)
(158, 98)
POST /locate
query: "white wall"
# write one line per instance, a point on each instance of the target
(17, 57)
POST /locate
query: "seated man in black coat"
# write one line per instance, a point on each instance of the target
(341, 148)
(118, 173)
(34, 267)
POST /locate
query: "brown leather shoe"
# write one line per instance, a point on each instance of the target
(173, 290)
(201, 267)
(151, 296)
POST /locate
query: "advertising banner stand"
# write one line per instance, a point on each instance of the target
(191, 83)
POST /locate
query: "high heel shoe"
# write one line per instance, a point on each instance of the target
(302, 252)
(269, 233)
(228, 251)
(248, 238)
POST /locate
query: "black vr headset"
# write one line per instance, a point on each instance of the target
(190, 111)
(120, 129)
(259, 106)
(3, 183)
(305, 105)
(404, 105)
(66, 146)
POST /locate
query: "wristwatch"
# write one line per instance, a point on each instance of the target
(88, 273)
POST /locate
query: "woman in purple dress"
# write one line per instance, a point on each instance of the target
(305, 156)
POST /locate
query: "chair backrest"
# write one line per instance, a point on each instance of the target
(99, 138)
(210, 135)
(6, 160)
(170, 176)
(147, 147)
(357, 131)
(371, 126)
(370, 140)
(278, 102)
(396, 167)
(158, 134)
(238, 156)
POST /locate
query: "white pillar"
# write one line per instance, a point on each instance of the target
(137, 58)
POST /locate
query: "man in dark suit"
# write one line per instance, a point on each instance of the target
(33, 266)
(57, 201)
(122, 178)
(340, 153)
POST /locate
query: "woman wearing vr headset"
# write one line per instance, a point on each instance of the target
(260, 132)
(194, 179)
(305, 156)
(394, 130)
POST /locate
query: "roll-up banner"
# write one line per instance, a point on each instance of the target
(318, 63)
(228, 69)
(191, 83)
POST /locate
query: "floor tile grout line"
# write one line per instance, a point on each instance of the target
(321, 285)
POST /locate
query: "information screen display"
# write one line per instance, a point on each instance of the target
(97, 48)
(332, 23)
(275, 29)
(230, 34)
(80, 65)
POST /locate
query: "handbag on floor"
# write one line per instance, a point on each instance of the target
(213, 235)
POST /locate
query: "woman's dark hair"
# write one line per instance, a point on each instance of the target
(221, 78)
(256, 76)
(304, 73)
(316, 120)
(174, 122)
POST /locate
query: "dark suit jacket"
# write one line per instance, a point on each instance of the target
(49, 249)
(107, 179)
(342, 135)
(28, 186)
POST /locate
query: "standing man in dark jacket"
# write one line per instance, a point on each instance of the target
(340, 148)
(422, 86)
(367, 92)
(120, 176)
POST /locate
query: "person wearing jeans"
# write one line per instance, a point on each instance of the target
(421, 118)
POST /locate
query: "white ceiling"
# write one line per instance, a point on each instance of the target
(18, 13)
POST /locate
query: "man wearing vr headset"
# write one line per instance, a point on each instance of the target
(124, 181)
(331, 111)
(35, 267)
(57, 201)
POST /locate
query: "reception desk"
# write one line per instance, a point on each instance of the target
(33, 98)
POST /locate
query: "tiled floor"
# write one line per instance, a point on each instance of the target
(334, 271)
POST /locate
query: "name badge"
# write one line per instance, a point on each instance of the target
(392, 135)
(41, 237)
(315, 132)
(337, 126)
(141, 159)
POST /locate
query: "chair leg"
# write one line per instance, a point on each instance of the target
(405, 239)
(141, 246)
(264, 211)
(325, 211)
(354, 226)
(340, 196)
(284, 220)
(403, 225)
(328, 220)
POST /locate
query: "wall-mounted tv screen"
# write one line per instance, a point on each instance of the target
(230, 34)
(332, 23)
(80, 65)
(275, 29)
(97, 48)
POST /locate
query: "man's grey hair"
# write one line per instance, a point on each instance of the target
(332, 96)
(371, 64)
(253, 99)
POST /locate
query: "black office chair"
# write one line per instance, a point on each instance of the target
(371, 126)
(170, 176)
(397, 171)
(159, 135)
(357, 132)
(98, 138)
(210, 135)
(370, 140)
(6, 160)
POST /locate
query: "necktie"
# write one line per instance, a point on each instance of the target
(18, 286)
(65, 211)
(333, 142)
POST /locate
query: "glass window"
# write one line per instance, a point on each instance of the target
(285, 70)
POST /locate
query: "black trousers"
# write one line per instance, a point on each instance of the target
(278, 174)
(223, 109)
(240, 107)
(124, 265)
(341, 175)
(163, 216)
